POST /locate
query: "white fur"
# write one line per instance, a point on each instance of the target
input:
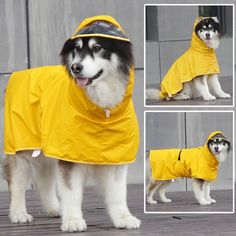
(111, 181)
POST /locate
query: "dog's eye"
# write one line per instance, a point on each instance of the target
(78, 48)
(97, 48)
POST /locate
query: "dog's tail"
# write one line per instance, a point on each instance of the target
(153, 94)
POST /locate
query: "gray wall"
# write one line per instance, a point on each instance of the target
(172, 29)
(191, 129)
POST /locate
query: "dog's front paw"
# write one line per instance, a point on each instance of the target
(74, 225)
(20, 217)
(167, 200)
(212, 200)
(225, 95)
(54, 213)
(209, 97)
(127, 222)
(151, 201)
(204, 202)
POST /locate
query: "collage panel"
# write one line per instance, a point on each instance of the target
(189, 162)
(189, 57)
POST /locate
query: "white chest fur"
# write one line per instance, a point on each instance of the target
(108, 92)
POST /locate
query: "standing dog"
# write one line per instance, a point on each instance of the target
(195, 73)
(200, 164)
(81, 115)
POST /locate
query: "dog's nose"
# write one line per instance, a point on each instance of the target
(76, 67)
(207, 35)
(216, 149)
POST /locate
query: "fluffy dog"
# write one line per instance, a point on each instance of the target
(81, 115)
(200, 164)
(195, 73)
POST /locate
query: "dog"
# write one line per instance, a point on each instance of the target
(186, 162)
(197, 83)
(95, 83)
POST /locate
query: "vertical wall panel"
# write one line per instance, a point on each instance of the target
(152, 63)
(176, 22)
(52, 22)
(199, 126)
(13, 43)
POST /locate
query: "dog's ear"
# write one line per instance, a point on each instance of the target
(215, 19)
(67, 47)
(217, 25)
(229, 145)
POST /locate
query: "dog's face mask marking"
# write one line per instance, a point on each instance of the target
(89, 60)
(219, 147)
(208, 30)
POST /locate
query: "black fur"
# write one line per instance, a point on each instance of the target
(206, 22)
(121, 48)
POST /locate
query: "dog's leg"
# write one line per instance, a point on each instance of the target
(162, 191)
(201, 86)
(19, 174)
(151, 190)
(45, 180)
(113, 180)
(215, 87)
(207, 190)
(185, 94)
(71, 179)
(198, 189)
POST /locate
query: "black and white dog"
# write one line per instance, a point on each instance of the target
(101, 66)
(205, 86)
(220, 148)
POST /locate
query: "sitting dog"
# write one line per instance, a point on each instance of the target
(195, 73)
(74, 121)
(200, 164)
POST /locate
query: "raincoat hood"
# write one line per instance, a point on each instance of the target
(197, 60)
(45, 109)
(167, 164)
(100, 26)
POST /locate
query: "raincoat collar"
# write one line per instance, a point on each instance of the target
(100, 26)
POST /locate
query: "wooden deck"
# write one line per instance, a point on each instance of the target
(99, 222)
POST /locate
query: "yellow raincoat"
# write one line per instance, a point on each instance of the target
(197, 60)
(167, 164)
(45, 109)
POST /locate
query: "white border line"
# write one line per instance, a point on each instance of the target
(233, 166)
(233, 63)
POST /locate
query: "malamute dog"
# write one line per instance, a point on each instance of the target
(197, 69)
(200, 164)
(86, 99)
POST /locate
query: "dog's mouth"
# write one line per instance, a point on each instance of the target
(83, 81)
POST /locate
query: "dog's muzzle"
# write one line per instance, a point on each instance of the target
(83, 81)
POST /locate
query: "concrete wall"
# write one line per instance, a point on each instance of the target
(191, 129)
(172, 30)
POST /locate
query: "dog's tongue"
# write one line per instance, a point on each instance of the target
(82, 82)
